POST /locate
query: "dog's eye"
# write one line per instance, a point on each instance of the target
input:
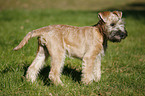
(112, 24)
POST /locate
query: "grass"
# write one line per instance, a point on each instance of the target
(122, 67)
(62, 4)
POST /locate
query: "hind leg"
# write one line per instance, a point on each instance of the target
(38, 62)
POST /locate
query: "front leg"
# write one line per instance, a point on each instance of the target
(97, 68)
(89, 65)
(87, 72)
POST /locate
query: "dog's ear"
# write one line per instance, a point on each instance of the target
(103, 15)
(118, 13)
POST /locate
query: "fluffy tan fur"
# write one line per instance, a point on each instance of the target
(57, 41)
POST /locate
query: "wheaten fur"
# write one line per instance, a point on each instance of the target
(87, 43)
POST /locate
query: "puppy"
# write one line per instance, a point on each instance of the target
(87, 43)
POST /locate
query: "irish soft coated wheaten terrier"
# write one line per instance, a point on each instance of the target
(87, 43)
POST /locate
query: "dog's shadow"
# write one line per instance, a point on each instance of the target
(44, 73)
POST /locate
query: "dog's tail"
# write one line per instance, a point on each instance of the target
(34, 33)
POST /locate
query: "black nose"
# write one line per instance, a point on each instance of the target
(123, 34)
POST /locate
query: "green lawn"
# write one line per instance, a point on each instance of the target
(123, 67)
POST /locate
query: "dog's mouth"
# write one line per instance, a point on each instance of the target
(117, 36)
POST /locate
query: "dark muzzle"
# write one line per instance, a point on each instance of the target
(123, 35)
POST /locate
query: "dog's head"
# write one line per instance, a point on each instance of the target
(114, 27)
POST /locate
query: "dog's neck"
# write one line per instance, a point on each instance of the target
(100, 26)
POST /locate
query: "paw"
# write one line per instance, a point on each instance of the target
(30, 78)
(56, 80)
(86, 82)
(97, 78)
(88, 79)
